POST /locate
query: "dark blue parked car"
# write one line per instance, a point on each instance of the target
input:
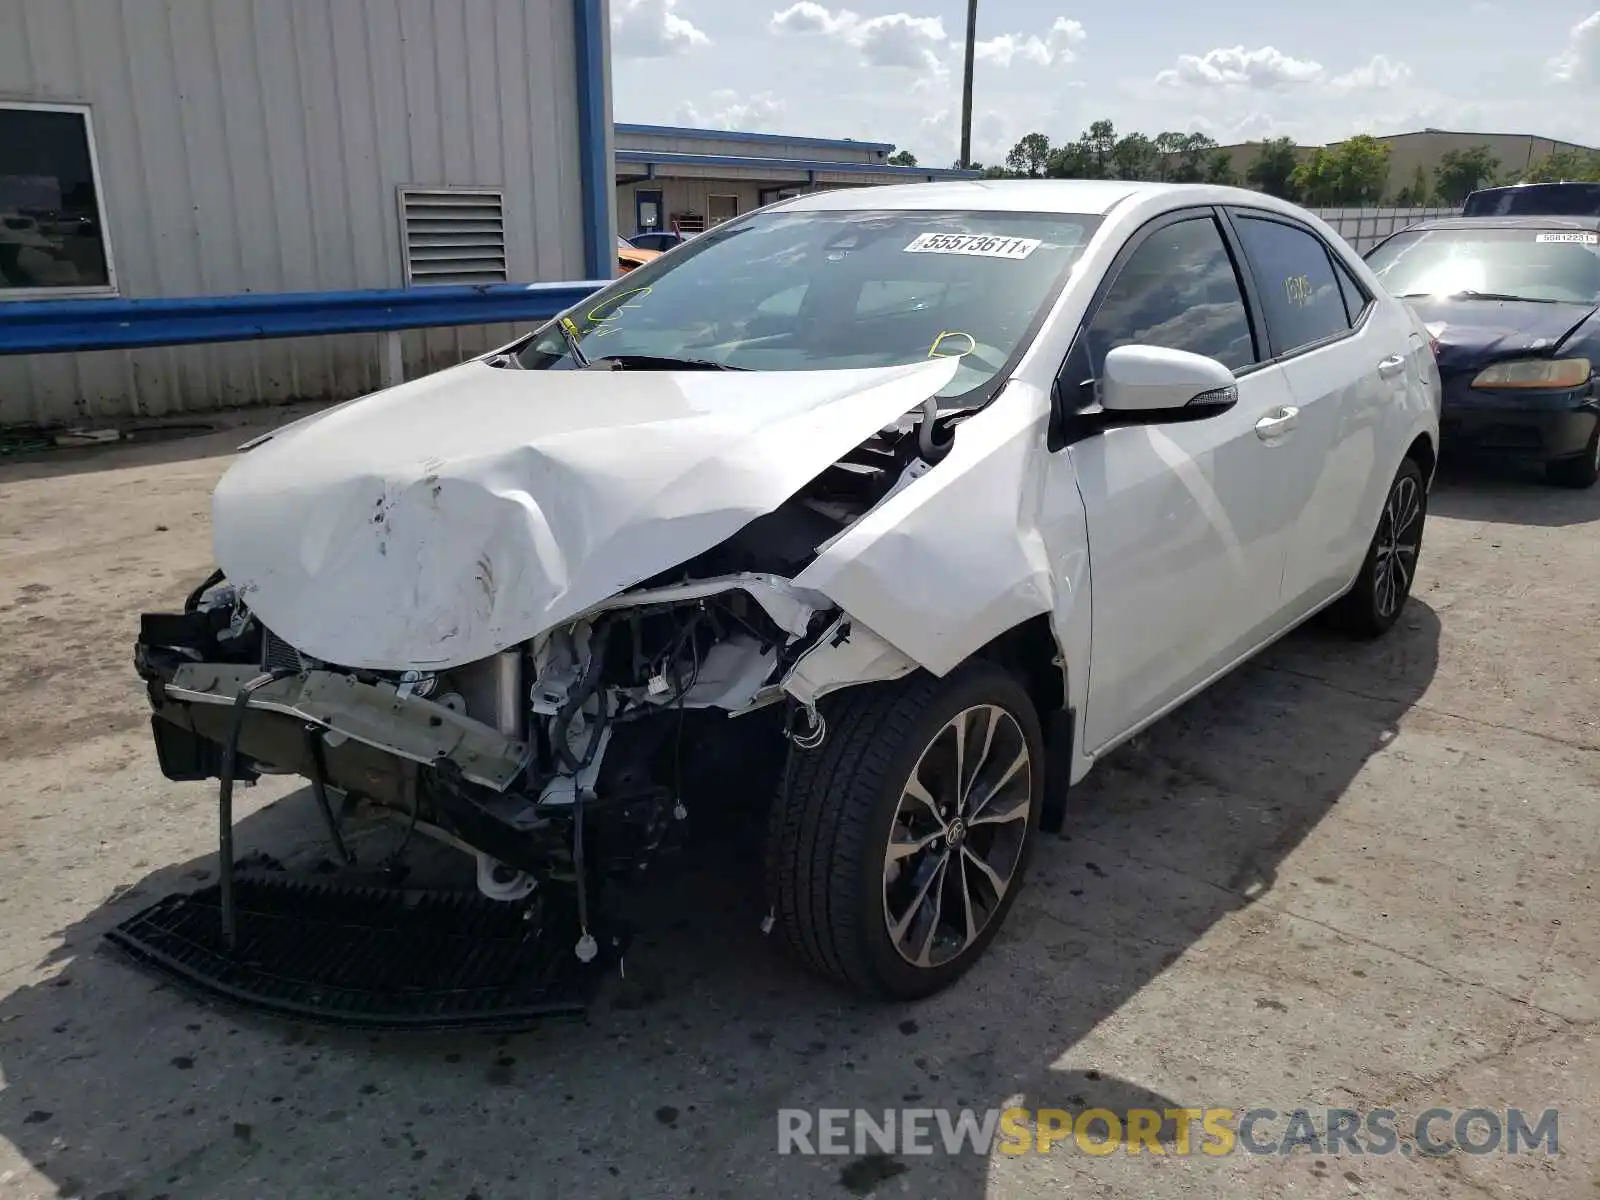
(1511, 304)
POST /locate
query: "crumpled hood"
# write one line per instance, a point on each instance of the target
(438, 522)
(1473, 333)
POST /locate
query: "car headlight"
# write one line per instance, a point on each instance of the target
(1551, 374)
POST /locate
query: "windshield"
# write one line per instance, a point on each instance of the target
(812, 291)
(1518, 264)
(1536, 200)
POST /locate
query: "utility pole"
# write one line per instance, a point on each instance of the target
(966, 85)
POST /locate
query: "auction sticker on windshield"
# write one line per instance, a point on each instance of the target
(990, 245)
(1583, 239)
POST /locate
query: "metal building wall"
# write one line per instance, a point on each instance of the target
(669, 139)
(257, 145)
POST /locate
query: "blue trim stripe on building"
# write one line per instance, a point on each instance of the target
(594, 172)
(793, 165)
(753, 139)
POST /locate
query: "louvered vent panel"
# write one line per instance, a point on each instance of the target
(454, 235)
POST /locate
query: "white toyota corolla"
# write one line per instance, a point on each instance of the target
(892, 508)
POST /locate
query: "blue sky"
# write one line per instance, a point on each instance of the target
(890, 70)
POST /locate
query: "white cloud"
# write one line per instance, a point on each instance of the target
(1251, 127)
(1237, 70)
(1237, 67)
(652, 29)
(1059, 45)
(893, 40)
(1381, 72)
(1579, 62)
(725, 110)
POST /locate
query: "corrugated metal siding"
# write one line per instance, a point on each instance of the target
(694, 195)
(257, 145)
(679, 144)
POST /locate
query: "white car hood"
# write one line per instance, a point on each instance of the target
(438, 522)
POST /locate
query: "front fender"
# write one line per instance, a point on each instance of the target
(949, 563)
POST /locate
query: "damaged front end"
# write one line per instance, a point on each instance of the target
(559, 762)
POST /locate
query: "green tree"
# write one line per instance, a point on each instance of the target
(1273, 168)
(1564, 165)
(1462, 171)
(1073, 161)
(1193, 151)
(1029, 156)
(1415, 194)
(1353, 172)
(1219, 169)
(1100, 141)
(1168, 145)
(1134, 157)
(902, 158)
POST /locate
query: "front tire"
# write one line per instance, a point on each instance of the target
(898, 847)
(1372, 606)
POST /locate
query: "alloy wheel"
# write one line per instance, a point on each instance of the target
(1399, 535)
(958, 833)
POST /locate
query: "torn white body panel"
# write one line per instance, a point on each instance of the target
(441, 521)
(847, 654)
(790, 607)
(942, 568)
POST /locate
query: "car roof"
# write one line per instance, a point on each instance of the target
(1505, 222)
(1088, 197)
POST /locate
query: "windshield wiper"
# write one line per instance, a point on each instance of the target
(660, 362)
(1469, 294)
(571, 338)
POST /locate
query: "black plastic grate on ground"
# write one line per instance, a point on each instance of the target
(362, 956)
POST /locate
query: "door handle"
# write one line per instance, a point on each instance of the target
(1392, 366)
(1278, 423)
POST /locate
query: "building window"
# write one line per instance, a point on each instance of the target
(52, 223)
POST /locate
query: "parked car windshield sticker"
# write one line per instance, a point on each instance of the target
(989, 245)
(1583, 239)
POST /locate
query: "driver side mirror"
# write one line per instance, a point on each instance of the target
(1152, 384)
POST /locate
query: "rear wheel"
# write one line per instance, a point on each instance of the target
(898, 847)
(1579, 472)
(1373, 605)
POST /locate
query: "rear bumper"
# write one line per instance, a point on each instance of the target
(1536, 427)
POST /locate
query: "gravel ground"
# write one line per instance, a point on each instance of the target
(1350, 875)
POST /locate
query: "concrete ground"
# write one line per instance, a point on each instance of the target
(1351, 875)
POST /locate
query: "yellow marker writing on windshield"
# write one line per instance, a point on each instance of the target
(608, 310)
(933, 350)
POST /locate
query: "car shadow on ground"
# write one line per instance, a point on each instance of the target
(1502, 494)
(117, 1086)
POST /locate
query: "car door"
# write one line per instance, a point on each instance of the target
(1343, 357)
(1186, 539)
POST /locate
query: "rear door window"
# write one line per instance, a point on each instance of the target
(1301, 295)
